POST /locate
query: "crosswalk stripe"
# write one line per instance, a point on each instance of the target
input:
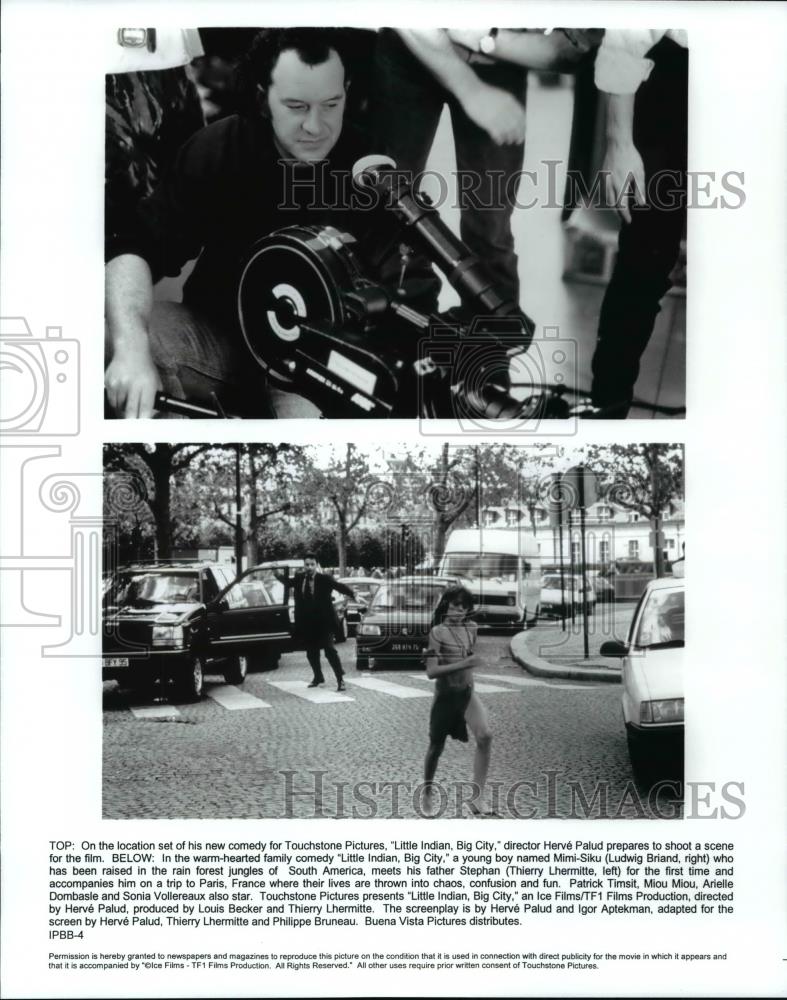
(481, 688)
(318, 695)
(529, 681)
(516, 681)
(154, 711)
(233, 699)
(386, 687)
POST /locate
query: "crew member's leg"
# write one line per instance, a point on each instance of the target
(408, 102)
(198, 361)
(487, 181)
(313, 656)
(649, 245)
(478, 722)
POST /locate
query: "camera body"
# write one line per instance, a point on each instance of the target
(40, 381)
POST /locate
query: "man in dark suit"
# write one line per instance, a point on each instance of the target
(316, 622)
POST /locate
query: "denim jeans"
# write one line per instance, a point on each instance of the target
(198, 361)
(649, 245)
(408, 105)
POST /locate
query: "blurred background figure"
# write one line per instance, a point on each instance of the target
(481, 77)
(152, 107)
(644, 75)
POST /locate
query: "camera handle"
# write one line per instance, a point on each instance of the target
(186, 408)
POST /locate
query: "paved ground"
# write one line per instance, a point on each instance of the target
(271, 749)
(557, 649)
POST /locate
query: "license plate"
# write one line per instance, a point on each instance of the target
(115, 661)
(403, 647)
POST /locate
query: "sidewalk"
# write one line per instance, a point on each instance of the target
(548, 651)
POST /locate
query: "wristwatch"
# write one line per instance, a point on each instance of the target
(488, 43)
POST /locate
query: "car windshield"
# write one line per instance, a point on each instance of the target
(406, 597)
(146, 589)
(475, 565)
(661, 622)
(365, 590)
(552, 582)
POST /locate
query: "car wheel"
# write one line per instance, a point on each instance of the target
(191, 681)
(236, 669)
(341, 635)
(362, 663)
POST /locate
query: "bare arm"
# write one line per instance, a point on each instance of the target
(622, 164)
(131, 378)
(557, 52)
(435, 50)
(494, 110)
(435, 669)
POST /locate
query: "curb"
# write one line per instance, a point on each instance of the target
(539, 667)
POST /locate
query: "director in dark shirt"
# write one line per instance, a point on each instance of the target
(281, 164)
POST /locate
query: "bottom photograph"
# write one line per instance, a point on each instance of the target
(429, 630)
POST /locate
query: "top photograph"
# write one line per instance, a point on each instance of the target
(483, 225)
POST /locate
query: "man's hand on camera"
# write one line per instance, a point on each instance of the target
(624, 177)
(497, 112)
(132, 381)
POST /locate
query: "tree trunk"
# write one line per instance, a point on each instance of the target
(341, 545)
(658, 554)
(441, 530)
(252, 545)
(161, 481)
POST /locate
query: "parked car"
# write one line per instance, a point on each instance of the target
(365, 588)
(171, 623)
(285, 570)
(603, 587)
(396, 627)
(557, 601)
(652, 680)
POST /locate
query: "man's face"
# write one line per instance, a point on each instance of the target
(310, 565)
(306, 105)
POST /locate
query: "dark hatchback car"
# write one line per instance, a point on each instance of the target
(396, 627)
(365, 588)
(174, 622)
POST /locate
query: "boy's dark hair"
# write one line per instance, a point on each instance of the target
(310, 555)
(313, 46)
(449, 595)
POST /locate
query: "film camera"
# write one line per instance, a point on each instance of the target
(318, 326)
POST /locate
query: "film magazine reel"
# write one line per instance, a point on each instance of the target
(312, 322)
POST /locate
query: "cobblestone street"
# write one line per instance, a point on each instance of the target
(275, 748)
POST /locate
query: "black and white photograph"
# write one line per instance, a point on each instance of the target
(300, 631)
(400, 694)
(439, 223)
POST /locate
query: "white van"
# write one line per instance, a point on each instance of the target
(501, 568)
